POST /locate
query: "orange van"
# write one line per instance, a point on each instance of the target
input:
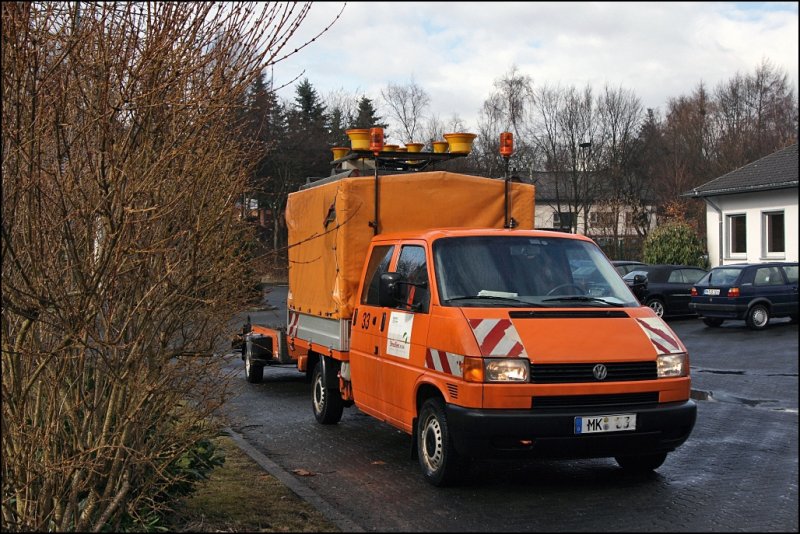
(507, 342)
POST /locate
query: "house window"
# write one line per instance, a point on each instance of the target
(563, 219)
(737, 234)
(774, 240)
(602, 219)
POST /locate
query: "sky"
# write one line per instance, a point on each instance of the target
(456, 51)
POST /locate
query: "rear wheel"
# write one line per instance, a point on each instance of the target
(441, 464)
(757, 317)
(326, 401)
(641, 463)
(713, 321)
(253, 372)
(657, 305)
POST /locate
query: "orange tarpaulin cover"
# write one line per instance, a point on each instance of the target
(329, 231)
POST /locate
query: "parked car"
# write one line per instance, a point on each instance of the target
(753, 292)
(623, 267)
(665, 288)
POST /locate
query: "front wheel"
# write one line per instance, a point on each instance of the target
(441, 464)
(757, 317)
(657, 305)
(641, 463)
(713, 321)
(326, 401)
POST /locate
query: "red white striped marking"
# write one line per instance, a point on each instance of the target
(291, 328)
(660, 335)
(497, 337)
(444, 362)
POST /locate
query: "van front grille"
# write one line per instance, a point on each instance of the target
(546, 373)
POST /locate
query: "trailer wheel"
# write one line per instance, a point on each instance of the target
(326, 401)
(441, 464)
(253, 372)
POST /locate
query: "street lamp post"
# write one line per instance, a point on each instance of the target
(585, 146)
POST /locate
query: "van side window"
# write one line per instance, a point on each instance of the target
(413, 268)
(378, 264)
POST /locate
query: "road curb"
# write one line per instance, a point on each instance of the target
(341, 521)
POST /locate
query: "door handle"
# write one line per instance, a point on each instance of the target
(383, 321)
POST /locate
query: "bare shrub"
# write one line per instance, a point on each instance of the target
(121, 258)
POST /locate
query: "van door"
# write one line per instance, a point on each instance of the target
(405, 338)
(368, 339)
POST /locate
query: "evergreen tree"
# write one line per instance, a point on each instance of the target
(367, 116)
(337, 125)
(308, 134)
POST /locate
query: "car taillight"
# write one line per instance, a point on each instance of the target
(694, 291)
(733, 292)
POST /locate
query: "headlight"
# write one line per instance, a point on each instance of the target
(672, 365)
(506, 370)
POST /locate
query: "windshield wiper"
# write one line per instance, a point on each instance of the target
(584, 299)
(516, 302)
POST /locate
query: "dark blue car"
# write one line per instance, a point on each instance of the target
(752, 292)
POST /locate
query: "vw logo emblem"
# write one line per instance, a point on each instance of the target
(600, 371)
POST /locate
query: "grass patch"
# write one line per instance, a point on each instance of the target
(240, 496)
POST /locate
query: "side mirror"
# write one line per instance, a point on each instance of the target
(387, 289)
(639, 279)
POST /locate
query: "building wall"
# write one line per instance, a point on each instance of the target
(545, 217)
(753, 206)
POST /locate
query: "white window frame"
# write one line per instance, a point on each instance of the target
(729, 218)
(766, 227)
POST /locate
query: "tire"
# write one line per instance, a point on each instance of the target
(641, 463)
(657, 305)
(253, 372)
(757, 317)
(326, 402)
(441, 464)
(713, 322)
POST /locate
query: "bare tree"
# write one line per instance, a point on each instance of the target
(407, 104)
(508, 109)
(620, 115)
(754, 115)
(567, 134)
(121, 248)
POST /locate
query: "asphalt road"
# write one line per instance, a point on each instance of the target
(737, 472)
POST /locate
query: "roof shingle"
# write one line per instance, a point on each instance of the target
(776, 171)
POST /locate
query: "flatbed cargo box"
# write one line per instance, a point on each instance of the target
(329, 228)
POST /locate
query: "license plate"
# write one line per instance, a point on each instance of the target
(591, 424)
(711, 292)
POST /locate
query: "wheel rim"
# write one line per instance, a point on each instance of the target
(432, 446)
(657, 307)
(760, 316)
(319, 395)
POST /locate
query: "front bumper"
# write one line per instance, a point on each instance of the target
(550, 433)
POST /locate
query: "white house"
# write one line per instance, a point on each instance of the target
(751, 213)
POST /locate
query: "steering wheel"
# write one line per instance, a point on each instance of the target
(576, 286)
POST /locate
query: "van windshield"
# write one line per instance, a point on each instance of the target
(521, 271)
